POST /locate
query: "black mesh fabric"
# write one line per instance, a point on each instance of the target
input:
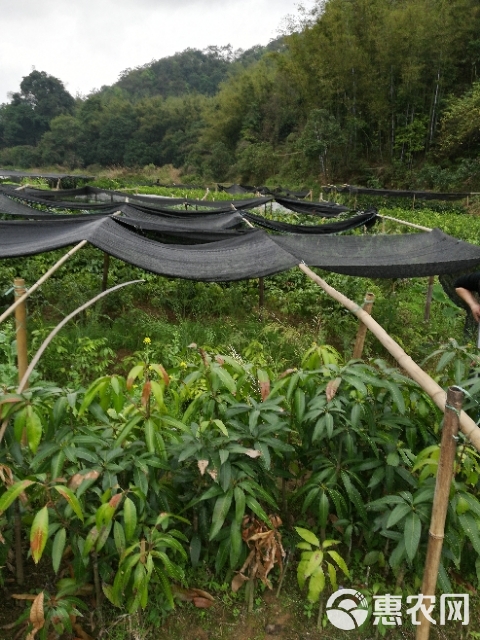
(366, 219)
(323, 209)
(234, 189)
(23, 238)
(384, 256)
(163, 204)
(249, 255)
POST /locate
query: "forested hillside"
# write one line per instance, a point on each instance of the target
(380, 92)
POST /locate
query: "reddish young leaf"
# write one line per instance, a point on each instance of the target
(147, 387)
(38, 534)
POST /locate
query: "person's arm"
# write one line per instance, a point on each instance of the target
(467, 296)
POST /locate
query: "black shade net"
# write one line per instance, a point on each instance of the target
(367, 219)
(384, 256)
(323, 209)
(249, 255)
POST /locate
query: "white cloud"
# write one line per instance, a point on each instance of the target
(88, 43)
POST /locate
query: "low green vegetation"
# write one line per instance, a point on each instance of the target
(176, 423)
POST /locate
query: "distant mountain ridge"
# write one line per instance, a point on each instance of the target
(190, 71)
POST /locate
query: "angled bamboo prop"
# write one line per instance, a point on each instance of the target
(61, 324)
(467, 425)
(39, 282)
(51, 335)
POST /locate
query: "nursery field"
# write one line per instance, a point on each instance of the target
(189, 463)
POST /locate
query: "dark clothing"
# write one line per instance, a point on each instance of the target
(470, 281)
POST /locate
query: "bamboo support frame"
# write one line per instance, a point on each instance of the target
(21, 327)
(39, 282)
(362, 329)
(436, 393)
(440, 501)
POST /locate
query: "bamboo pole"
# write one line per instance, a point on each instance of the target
(467, 425)
(53, 333)
(407, 224)
(21, 327)
(428, 299)
(39, 282)
(362, 329)
(441, 498)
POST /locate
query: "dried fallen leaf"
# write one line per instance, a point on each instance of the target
(23, 596)
(82, 635)
(265, 389)
(37, 617)
(238, 582)
(202, 465)
(77, 479)
(332, 388)
(202, 603)
(253, 453)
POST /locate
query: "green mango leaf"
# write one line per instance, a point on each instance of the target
(412, 533)
(220, 511)
(323, 509)
(332, 575)
(400, 511)
(129, 518)
(195, 549)
(58, 548)
(119, 537)
(71, 498)
(239, 496)
(308, 536)
(471, 527)
(340, 561)
(34, 428)
(314, 562)
(13, 492)
(316, 585)
(19, 423)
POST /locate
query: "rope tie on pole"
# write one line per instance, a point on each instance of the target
(433, 535)
(454, 409)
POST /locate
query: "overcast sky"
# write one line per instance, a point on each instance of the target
(87, 43)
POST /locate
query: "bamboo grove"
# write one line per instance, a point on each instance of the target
(383, 92)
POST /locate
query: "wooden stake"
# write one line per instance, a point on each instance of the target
(428, 299)
(441, 498)
(261, 292)
(21, 327)
(468, 427)
(413, 202)
(106, 266)
(362, 329)
(34, 287)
